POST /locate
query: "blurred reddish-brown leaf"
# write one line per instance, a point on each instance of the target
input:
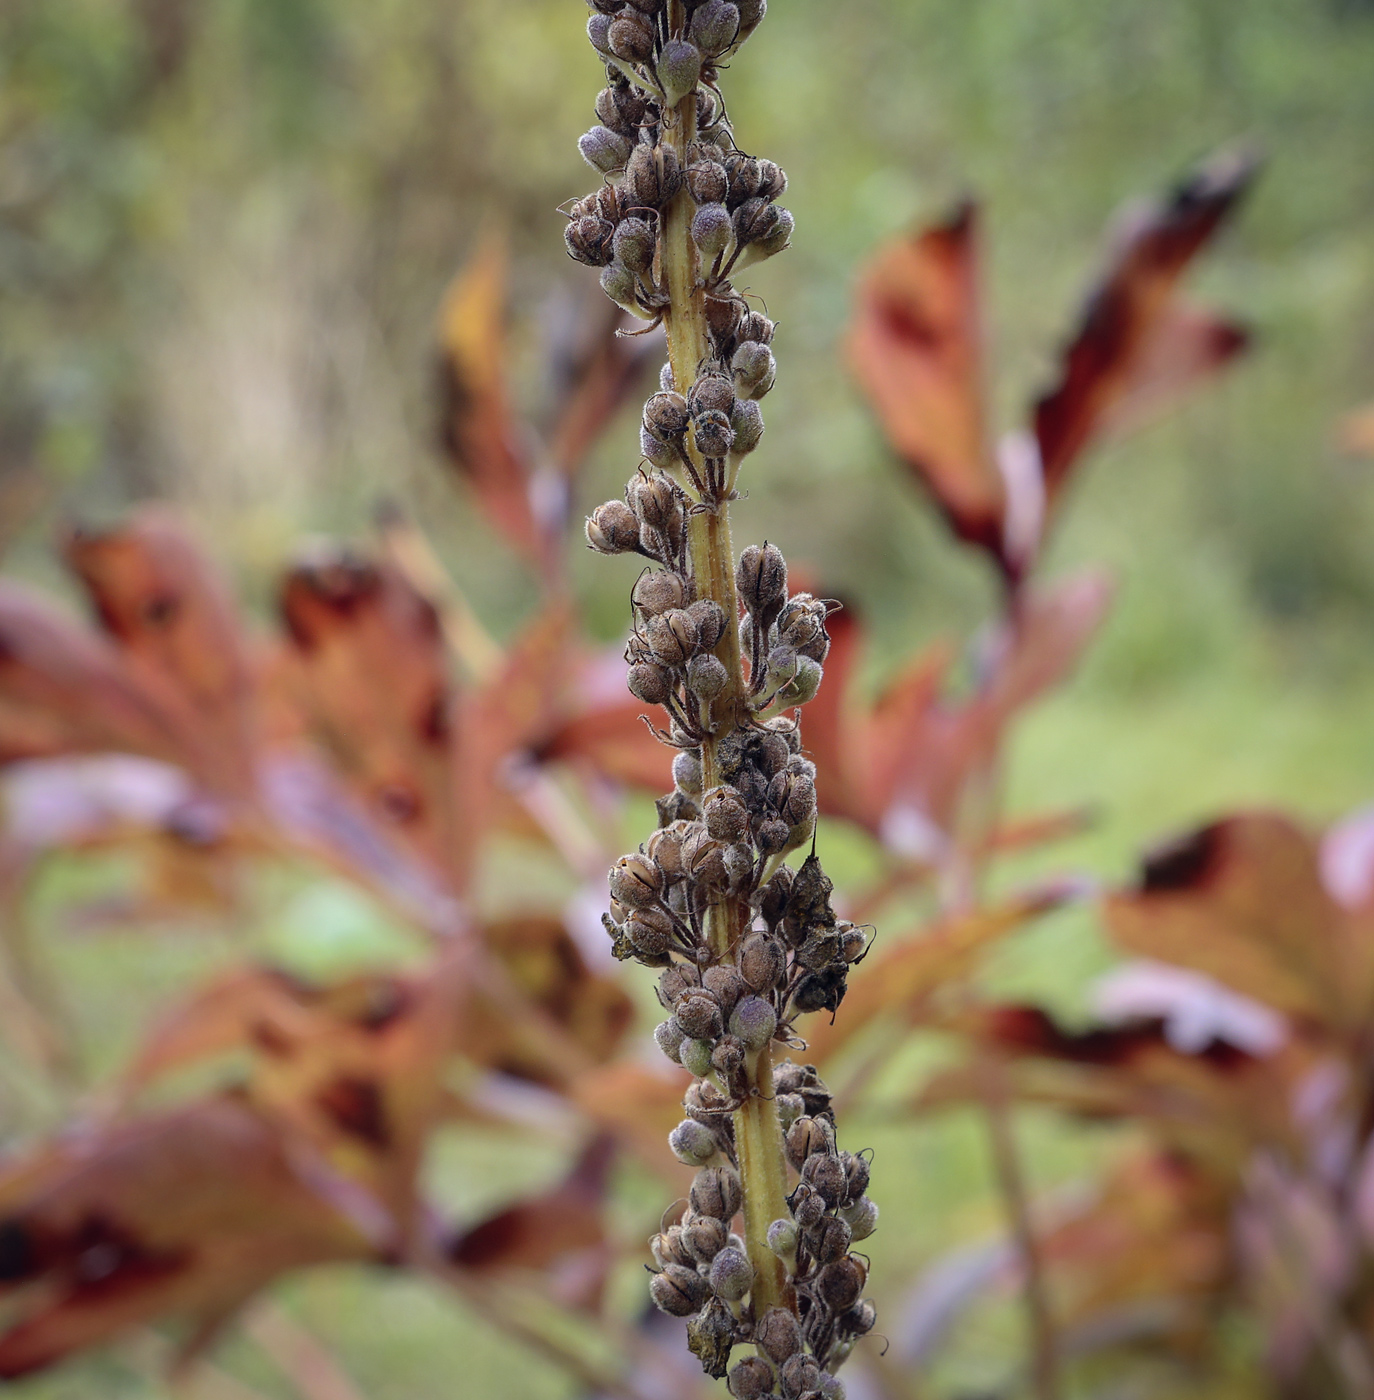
(183, 1215)
(171, 614)
(480, 434)
(916, 347)
(1138, 345)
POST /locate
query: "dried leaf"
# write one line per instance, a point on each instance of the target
(1137, 345)
(916, 347)
(480, 435)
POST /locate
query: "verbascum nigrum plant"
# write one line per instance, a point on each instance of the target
(746, 944)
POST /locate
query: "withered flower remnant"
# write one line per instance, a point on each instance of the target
(745, 944)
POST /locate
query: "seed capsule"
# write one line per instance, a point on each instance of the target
(716, 1192)
(652, 176)
(590, 240)
(743, 171)
(825, 1176)
(782, 1237)
(660, 454)
(707, 676)
(751, 1379)
(714, 27)
(604, 150)
(669, 1038)
(710, 1336)
(619, 283)
(678, 1290)
(712, 230)
(599, 32)
(807, 1138)
(613, 529)
(799, 1375)
(790, 1107)
(703, 1235)
(727, 1057)
(808, 1208)
(830, 1388)
(772, 179)
(650, 931)
(752, 365)
(709, 617)
(621, 109)
(673, 982)
(762, 962)
(754, 1021)
(695, 1057)
(707, 182)
(698, 1013)
(761, 578)
(672, 636)
(679, 70)
(727, 985)
(732, 1275)
(840, 1283)
(777, 1334)
(635, 243)
(712, 434)
(727, 818)
(862, 1217)
(771, 836)
(687, 771)
(860, 1320)
(830, 1240)
(711, 391)
(636, 881)
(649, 683)
(856, 1175)
(631, 38)
(775, 895)
(657, 590)
(666, 416)
(746, 422)
(669, 1247)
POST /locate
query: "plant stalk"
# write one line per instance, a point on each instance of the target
(758, 1133)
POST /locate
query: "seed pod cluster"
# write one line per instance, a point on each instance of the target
(743, 944)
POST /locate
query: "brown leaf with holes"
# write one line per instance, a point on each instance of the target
(179, 1216)
(480, 435)
(63, 689)
(171, 615)
(368, 667)
(1242, 901)
(916, 347)
(1138, 345)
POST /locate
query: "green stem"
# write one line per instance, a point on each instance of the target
(758, 1133)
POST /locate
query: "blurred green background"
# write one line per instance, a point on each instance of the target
(225, 226)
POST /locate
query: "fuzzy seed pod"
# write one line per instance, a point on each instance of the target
(707, 676)
(802, 688)
(699, 1014)
(710, 1336)
(782, 1237)
(762, 962)
(743, 171)
(761, 577)
(695, 1057)
(727, 818)
(712, 434)
(672, 636)
(754, 1021)
(711, 391)
(707, 182)
(693, 1144)
(664, 848)
(649, 683)
(727, 985)
(673, 982)
(712, 230)
(799, 1375)
(660, 454)
(772, 179)
(716, 1192)
(655, 501)
(687, 771)
(613, 529)
(830, 1388)
(839, 1284)
(819, 950)
(820, 991)
(657, 590)
(650, 931)
(708, 870)
(769, 235)
(723, 313)
(714, 27)
(777, 1334)
(732, 1275)
(604, 150)
(631, 38)
(669, 1037)
(669, 1247)
(856, 1175)
(704, 1236)
(727, 1057)
(634, 244)
(775, 895)
(679, 70)
(862, 1217)
(746, 422)
(755, 220)
(807, 1138)
(621, 109)
(652, 176)
(636, 881)
(709, 110)
(790, 1107)
(808, 1209)
(860, 1320)
(801, 767)
(666, 416)
(772, 836)
(830, 1240)
(709, 617)
(599, 32)
(619, 283)
(750, 13)
(824, 1175)
(799, 804)
(751, 1379)
(678, 1290)
(781, 667)
(739, 867)
(756, 326)
(590, 240)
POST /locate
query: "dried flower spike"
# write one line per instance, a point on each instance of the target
(746, 945)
